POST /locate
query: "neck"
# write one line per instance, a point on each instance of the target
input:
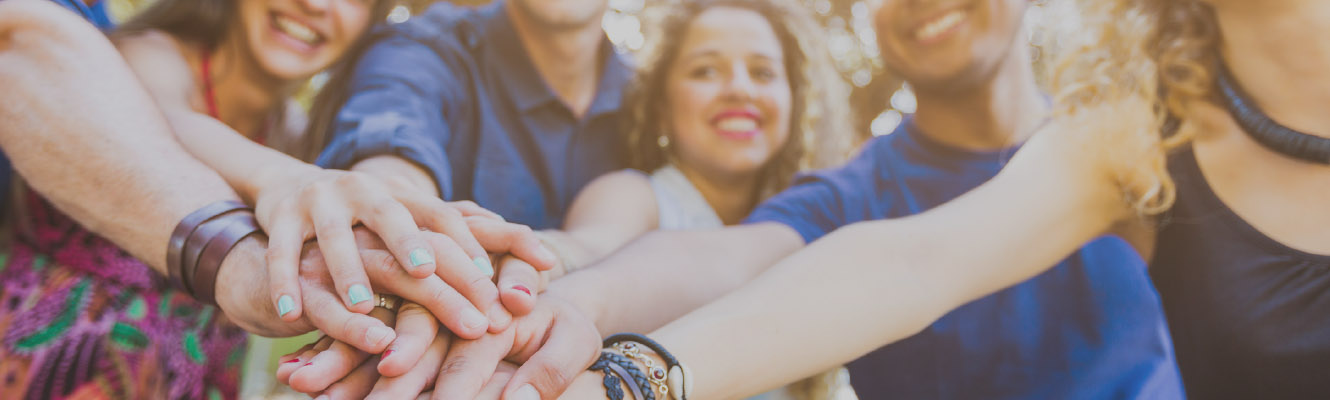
(1280, 55)
(563, 58)
(1000, 112)
(244, 93)
(731, 198)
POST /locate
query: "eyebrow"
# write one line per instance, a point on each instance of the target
(715, 53)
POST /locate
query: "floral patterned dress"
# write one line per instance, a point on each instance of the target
(82, 319)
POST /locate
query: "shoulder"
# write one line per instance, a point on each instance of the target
(158, 60)
(628, 183)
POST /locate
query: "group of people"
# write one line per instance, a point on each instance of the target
(493, 202)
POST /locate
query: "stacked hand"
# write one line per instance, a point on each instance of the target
(548, 344)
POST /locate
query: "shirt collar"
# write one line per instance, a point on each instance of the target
(523, 83)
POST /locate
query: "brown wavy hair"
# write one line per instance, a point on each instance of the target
(208, 22)
(1136, 67)
(820, 129)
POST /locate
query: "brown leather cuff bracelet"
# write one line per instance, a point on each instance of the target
(204, 279)
(185, 229)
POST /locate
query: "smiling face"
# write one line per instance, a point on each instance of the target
(728, 94)
(946, 43)
(294, 39)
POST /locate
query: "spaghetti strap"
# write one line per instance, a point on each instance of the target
(208, 96)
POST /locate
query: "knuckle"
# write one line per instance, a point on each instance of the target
(454, 365)
(550, 376)
(480, 285)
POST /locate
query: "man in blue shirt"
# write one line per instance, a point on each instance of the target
(513, 105)
(1089, 328)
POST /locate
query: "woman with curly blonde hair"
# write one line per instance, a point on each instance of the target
(1237, 91)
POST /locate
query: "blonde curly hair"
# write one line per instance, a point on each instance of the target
(1136, 66)
(820, 129)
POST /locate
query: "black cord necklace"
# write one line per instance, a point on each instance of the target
(1265, 130)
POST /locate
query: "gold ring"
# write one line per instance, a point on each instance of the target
(387, 302)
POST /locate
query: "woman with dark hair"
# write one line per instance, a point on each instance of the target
(82, 317)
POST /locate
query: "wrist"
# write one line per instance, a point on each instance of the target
(265, 179)
(243, 299)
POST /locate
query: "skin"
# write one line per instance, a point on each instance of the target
(90, 168)
(917, 275)
(257, 67)
(717, 72)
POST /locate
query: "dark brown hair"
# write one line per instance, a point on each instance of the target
(820, 131)
(208, 22)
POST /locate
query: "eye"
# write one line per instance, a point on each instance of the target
(763, 74)
(703, 72)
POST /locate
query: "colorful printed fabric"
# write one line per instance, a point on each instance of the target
(82, 319)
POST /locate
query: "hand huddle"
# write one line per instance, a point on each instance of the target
(395, 285)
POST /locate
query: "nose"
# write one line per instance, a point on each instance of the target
(316, 6)
(740, 86)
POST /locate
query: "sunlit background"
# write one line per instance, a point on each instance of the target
(879, 100)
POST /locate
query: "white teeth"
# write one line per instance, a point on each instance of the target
(737, 124)
(939, 25)
(297, 30)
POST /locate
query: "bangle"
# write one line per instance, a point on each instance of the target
(204, 278)
(194, 248)
(183, 230)
(625, 371)
(675, 380)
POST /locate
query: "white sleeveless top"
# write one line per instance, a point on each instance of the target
(678, 202)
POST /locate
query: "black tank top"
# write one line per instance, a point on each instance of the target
(1250, 317)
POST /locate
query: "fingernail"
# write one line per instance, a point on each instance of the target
(420, 257)
(291, 361)
(526, 392)
(386, 353)
(377, 335)
(473, 319)
(358, 294)
(523, 289)
(285, 305)
(323, 397)
(483, 263)
(311, 362)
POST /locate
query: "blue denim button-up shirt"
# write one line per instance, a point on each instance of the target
(454, 91)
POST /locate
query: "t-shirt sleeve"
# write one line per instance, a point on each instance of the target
(812, 207)
(400, 94)
(820, 202)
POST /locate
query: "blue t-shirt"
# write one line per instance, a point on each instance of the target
(1089, 328)
(454, 91)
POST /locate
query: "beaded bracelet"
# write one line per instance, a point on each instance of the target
(673, 381)
(613, 364)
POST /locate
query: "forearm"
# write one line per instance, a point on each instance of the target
(874, 283)
(665, 274)
(247, 166)
(398, 171)
(85, 136)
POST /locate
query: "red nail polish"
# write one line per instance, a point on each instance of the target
(523, 289)
(293, 360)
(308, 364)
(386, 353)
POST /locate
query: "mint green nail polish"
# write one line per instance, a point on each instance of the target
(285, 305)
(484, 264)
(420, 257)
(358, 294)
